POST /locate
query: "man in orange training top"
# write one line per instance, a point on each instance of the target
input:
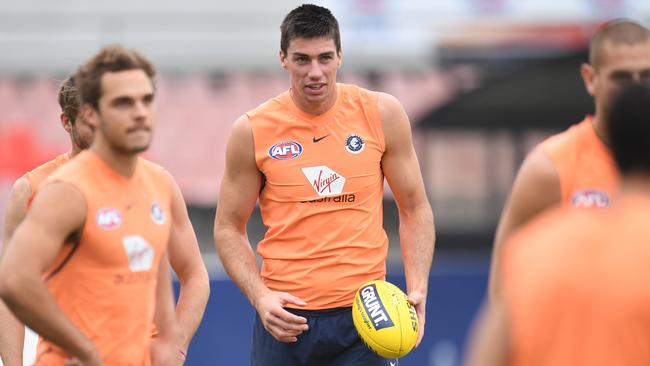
(12, 332)
(101, 224)
(184, 255)
(574, 284)
(575, 168)
(316, 157)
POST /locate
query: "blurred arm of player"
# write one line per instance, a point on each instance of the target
(164, 348)
(416, 228)
(57, 213)
(490, 339)
(536, 188)
(240, 187)
(12, 331)
(185, 259)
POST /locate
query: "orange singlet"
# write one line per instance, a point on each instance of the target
(38, 175)
(106, 286)
(576, 286)
(587, 172)
(322, 196)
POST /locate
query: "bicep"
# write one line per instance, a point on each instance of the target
(16, 208)
(57, 212)
(399, 162)
(536, 188)
(241, 181)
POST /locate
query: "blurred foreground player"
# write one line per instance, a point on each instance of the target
(575, 168)
(100, 225)
(575, 283)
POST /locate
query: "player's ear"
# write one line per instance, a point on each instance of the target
(589, 78)
(90, 115)
(283, 59)
(340, 58)
(66, 123)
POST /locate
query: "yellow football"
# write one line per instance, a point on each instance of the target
(386, 322)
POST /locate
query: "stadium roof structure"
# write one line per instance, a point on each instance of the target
(522, 94)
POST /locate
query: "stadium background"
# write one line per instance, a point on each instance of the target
(482, 81)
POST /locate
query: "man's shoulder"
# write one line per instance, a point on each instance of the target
(556, 230)
(39, 174)
(566, 139)
(149, 165)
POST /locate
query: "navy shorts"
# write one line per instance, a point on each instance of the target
(331, 340)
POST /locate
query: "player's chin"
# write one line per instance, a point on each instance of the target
(138, 148)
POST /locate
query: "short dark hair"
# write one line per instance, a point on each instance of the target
(68, 99)
(618, 31)
(629, 129)
(113, 58)
(309, 21)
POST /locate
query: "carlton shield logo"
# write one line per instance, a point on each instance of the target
(285, 150)
(373, 306)
(590, 198)
(108, 218)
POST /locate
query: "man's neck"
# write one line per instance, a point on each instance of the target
(315, 109)
(599, 128)
(123, 164)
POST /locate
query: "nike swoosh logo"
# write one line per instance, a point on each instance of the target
(315, 140)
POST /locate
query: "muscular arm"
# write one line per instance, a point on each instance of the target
(416, 228)
(240, 187)
(12, 332)
(536, 188)
(185, 259)
(58, 211)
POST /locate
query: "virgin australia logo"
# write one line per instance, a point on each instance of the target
(325, 181)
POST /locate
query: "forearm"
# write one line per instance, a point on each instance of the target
(164, 317)
(12, 336)
(417, 239)
(192, 300)
(32, 304)
(239, 261)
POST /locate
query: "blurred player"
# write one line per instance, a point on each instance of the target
(574, 284)
(184, 254)
(81, 135)
(575, 168)
(316, 157)
(100, 226)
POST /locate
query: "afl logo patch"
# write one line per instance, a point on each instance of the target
(285, 150)
(590, 198)
(157, 214)
(108, 218)
(354, 144)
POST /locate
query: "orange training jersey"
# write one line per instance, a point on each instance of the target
(322, 196)
(576, 288)
(36, 176)
(587, 172)
(107, 286)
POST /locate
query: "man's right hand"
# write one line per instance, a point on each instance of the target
(283, 325)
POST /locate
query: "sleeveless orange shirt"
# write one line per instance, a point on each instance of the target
(575, 286)
(107, 286)
(322, 196)
(36, 176)
(585, 166)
